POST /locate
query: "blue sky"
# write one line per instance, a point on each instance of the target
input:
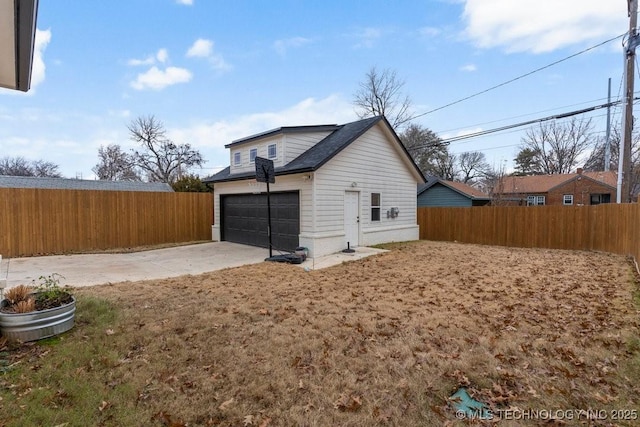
(214, 71)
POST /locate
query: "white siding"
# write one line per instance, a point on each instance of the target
(297, 143)
(263, 146)
(372, 164)
(288, 145)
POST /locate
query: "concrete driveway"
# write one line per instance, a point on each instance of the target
(94, 269)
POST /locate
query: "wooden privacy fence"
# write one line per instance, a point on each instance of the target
(37, 221)
(607, 227)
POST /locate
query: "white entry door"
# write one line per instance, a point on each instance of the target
(351, 218)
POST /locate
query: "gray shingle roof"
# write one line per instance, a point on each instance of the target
(80, 184)
(316, 156)
(458, 187)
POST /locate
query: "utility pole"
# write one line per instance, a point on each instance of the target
(607, 143)
(624, 163)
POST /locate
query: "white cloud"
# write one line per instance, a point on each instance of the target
(429, 31)
(162, 55)
(211, 137)
(281, 46)
(185, 2)
(542, 25)
(469, 68)
(157, 79)
(367, 37)
(146, 61)
(38, 71)
(203, 48)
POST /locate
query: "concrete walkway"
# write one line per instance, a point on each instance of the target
(94, 269)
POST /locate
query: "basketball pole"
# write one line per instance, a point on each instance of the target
(268, 213)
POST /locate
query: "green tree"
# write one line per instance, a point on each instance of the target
(190, 184)
(526, 163)
(424, 146)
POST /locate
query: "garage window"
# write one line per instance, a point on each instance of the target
(375, 206)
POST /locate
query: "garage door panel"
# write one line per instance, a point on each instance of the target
(244, 219)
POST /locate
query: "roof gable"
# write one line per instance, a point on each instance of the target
(320, 153)
(459, 187)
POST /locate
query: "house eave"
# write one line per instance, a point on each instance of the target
(17, 41)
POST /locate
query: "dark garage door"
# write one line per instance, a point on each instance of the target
(244, 219)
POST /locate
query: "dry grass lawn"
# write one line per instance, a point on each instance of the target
(381, 341)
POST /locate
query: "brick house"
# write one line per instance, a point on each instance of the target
(580, 188)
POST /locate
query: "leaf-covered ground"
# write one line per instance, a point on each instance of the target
(381, 341)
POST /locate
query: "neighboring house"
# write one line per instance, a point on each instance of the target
(80, 184)
(438, 193)
(335, 185)
(580, 188)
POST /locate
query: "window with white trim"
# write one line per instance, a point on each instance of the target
(535, 200)
(272, 151)
(253, 153)
(567, 199)
(237, 159)
(375, 206)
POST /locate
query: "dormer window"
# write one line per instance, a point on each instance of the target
(253, 153)
(237, 160)
(273, 151)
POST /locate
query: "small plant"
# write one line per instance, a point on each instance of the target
(25, 306)
(18, 294)
(46, 294)
(49, 293)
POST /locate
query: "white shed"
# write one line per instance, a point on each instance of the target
(336, 185)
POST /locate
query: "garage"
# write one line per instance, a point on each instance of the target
(243, 219)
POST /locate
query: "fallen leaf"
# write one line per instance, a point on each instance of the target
(104, 405)
(225, 404)
(109, 332)
(348, 403)
(264, 311)
(265, 422)
(248, 420)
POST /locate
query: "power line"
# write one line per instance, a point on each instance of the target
(530, 122)
(518, 78)
(522, 115)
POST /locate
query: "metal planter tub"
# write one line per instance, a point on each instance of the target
(37, 325)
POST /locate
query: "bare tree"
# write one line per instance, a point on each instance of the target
(43, 169)
(380, 94)
(424, 146)
(19, 166)
(472, 166)
(115, 165)
(557, 146)
(595, 162)
(445, 166)
(493, 184)
(160, 158)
